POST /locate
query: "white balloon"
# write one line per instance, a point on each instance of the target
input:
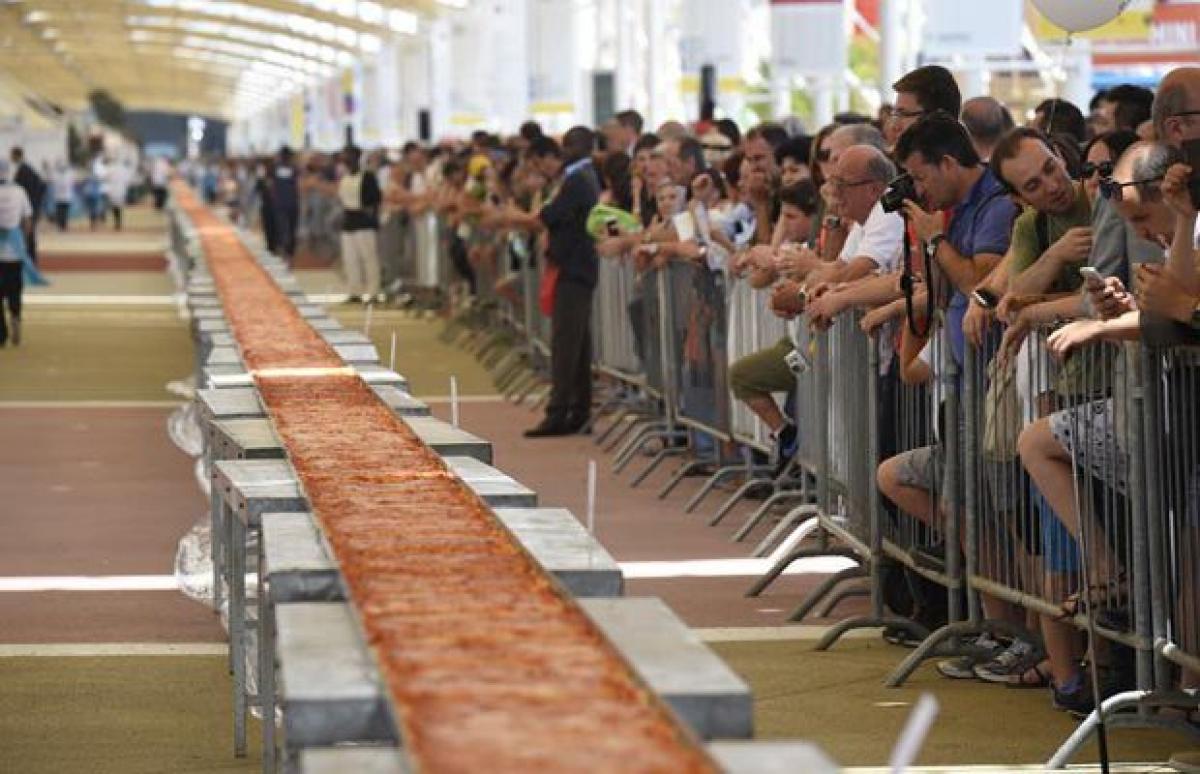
(1080, 15)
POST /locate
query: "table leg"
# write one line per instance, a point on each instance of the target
(237, 629)
(266, 664)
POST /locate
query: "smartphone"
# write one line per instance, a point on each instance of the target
(985, 298)
(1091, 277)
(1191, 153)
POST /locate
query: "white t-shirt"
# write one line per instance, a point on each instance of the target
(160, 173)
(117, 183)
(64, 185)
(881, 239)
(14, 206)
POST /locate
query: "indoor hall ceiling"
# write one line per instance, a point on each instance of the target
(219, 58)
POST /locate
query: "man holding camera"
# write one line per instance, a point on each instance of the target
(961, 214)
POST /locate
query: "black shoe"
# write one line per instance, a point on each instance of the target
(786, 446)
(550, 428)
(15, 334)
(1077, 703)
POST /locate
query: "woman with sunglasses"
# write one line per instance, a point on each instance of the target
(1100, 155)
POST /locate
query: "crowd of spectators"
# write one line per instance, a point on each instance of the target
(943, 206)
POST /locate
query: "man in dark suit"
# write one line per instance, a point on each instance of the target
(35, 189)
(573, 252)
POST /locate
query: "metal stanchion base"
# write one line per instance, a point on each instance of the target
(534, 383)
(626, 427)
(763, 510)
(867, 622)
(1111, 707)
(641, 433)
(735, 498)
(826, 586)
(680, 474)
(837, 599)
(800, 553)
(640, 443)
(792, 520)
(662, 455)
(946, 642)
(717, 477)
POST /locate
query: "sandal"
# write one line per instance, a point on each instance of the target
(1101, 596)
(1036, 676)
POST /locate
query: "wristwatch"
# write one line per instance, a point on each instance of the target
(936, 240)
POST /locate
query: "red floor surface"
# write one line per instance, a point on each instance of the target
(634, 525)
(131, 262)
(97, 491)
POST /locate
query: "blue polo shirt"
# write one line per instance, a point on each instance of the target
(981, 224)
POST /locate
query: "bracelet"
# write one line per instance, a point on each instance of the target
(936, 240)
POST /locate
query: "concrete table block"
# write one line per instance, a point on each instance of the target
(360, 760)
(328, 685)
(699, 686)
(564, 548)
(449, 440)
(772, 757)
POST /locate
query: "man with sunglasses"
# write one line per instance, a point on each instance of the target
(1119, 249)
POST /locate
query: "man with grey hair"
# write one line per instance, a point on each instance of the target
(876, 238)
(987, 120)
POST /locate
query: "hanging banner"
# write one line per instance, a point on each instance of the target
(297, 122)
(808, 37)
(551, 56)
(953, 27)
(469, 47)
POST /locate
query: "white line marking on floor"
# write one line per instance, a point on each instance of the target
(776, 633)
(987, 768)
(461, 398)
(85, 649)
(89, 583)
(90, 404)
(727, 568)
(83, 299)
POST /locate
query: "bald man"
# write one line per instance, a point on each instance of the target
(987, 120)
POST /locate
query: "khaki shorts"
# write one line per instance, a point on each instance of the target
(763, 372)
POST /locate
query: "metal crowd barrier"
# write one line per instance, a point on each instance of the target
(318, 229)
(841, 403)
(752, 327)
(1148, 601)
(694, 365)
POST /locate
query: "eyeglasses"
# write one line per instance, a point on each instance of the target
(1111, 189)
(841, 184)
(824, 155)
(1184, 113)
(1105, 168)
(897, 115)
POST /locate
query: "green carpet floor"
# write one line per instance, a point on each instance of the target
(112, 283)
(96, 353)
(837, 699)
(119, 715)
(420, 354)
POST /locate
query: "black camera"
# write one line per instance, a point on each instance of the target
(898, 190)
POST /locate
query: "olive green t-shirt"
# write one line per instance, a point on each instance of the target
(1026, 250)
(1074, 377)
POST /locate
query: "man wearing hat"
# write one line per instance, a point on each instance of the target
(16, 213)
